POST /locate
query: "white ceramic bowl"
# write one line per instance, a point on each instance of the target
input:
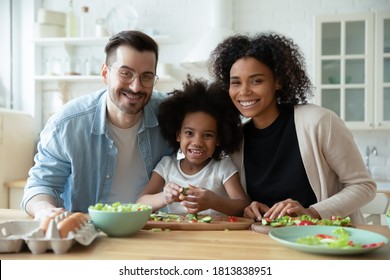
(120, 224)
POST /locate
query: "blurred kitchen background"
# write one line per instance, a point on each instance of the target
(52, 51)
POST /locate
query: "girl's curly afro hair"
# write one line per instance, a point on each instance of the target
(199, 96)
(279, 53)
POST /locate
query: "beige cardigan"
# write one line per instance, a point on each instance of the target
(333, 163)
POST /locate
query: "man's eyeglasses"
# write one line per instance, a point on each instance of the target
(127, 76)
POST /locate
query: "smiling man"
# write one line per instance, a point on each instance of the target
(102, 147)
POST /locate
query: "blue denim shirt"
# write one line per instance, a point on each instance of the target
(76, 157)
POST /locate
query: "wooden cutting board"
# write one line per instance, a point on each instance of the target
(217, 223)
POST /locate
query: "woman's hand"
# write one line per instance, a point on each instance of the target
(289, 207)
(171, 193)
(255, 210)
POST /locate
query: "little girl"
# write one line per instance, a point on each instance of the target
(200, 125)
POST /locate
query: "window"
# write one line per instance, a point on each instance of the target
(16, 34)
(5, 51)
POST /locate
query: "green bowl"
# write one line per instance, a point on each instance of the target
(119, 224)
(388, 220)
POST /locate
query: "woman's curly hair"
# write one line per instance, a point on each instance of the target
(200, 96)
(279, 53)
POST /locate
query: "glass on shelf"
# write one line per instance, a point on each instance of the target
(85, 22)
(330, 72)
(47, 69)
(354, 100)
(355, 37)
(53, 66)
(95, 66)
(72, 66)
(331, 38)
(101, 28)
(87, 67)
(331, 100)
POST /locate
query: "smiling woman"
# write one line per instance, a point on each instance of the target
(287, 164)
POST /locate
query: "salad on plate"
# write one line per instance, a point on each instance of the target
(339, 239)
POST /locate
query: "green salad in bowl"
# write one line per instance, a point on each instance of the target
(119, 207)
(119, 219)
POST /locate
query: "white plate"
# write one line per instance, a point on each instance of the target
(289, 235)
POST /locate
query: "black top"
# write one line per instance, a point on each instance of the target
(273, 164)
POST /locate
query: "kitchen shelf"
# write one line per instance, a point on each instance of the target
(67, 78)
(85, 41)
(91, 78)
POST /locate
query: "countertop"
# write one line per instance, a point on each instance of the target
(185, 245)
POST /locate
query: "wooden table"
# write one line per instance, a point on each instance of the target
(176, 245)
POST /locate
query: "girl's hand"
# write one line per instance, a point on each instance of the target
(255, 210)
(197, 199)
(171, 193)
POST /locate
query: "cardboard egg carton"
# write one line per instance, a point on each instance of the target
(14, 235)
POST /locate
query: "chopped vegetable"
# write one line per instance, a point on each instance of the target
(305, 220)
(192, 218)
(206, 219)
(120, 207)
(165, 217)
(189, 218)
(184, 191)
(232, 219)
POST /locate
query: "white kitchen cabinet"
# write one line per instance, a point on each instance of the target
(352, 68)
(69, 67)
(382, 76)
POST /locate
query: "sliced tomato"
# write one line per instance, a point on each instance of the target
(232, 219)
(306, 223)
(268, 220)
(325, 236)
(372, 245)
